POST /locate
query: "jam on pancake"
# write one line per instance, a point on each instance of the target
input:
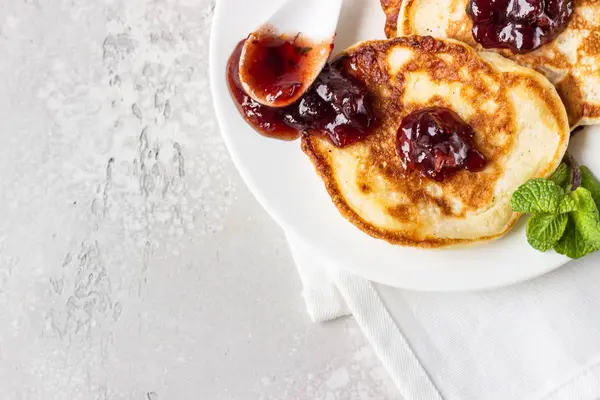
(336, 105)
(519, 25)
(438, 143)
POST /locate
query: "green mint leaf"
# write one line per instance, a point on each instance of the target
(589, 181)
(572, 244)
(303, 50)
(545, 230)
(587, 217)
(582, 235)
(562, 176)
(537, 196)
(568, 204)
(568, 221)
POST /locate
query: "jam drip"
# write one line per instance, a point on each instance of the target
(266, 120)
(336, 105)
(438, 143)
(519, 25)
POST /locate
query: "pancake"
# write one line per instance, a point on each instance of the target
(391, 8)
(521, 128)
(571, 61)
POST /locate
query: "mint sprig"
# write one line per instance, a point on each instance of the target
(562, 219)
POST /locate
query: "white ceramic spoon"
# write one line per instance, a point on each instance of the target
(315, 21)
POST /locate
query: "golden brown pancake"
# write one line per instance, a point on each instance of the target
(571, 62)
(391, 8)
(520, 123)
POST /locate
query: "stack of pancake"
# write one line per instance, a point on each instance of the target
(521, 106)
(571, 61)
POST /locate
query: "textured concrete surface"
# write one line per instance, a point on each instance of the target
(134, 264)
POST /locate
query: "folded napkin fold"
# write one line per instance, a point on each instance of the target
(535, 340)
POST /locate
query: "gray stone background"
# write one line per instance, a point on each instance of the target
(134, 263)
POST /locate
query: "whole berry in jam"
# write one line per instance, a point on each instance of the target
(438, 143)
(519, 25)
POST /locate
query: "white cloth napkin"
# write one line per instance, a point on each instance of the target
(536, 340)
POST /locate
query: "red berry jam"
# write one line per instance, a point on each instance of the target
(438, 143)
(276, 67)
(336, 105)
(519, 25)
(266, 120)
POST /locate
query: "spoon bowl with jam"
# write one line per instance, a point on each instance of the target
(277, 68)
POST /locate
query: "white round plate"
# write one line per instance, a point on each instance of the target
(284, 181)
